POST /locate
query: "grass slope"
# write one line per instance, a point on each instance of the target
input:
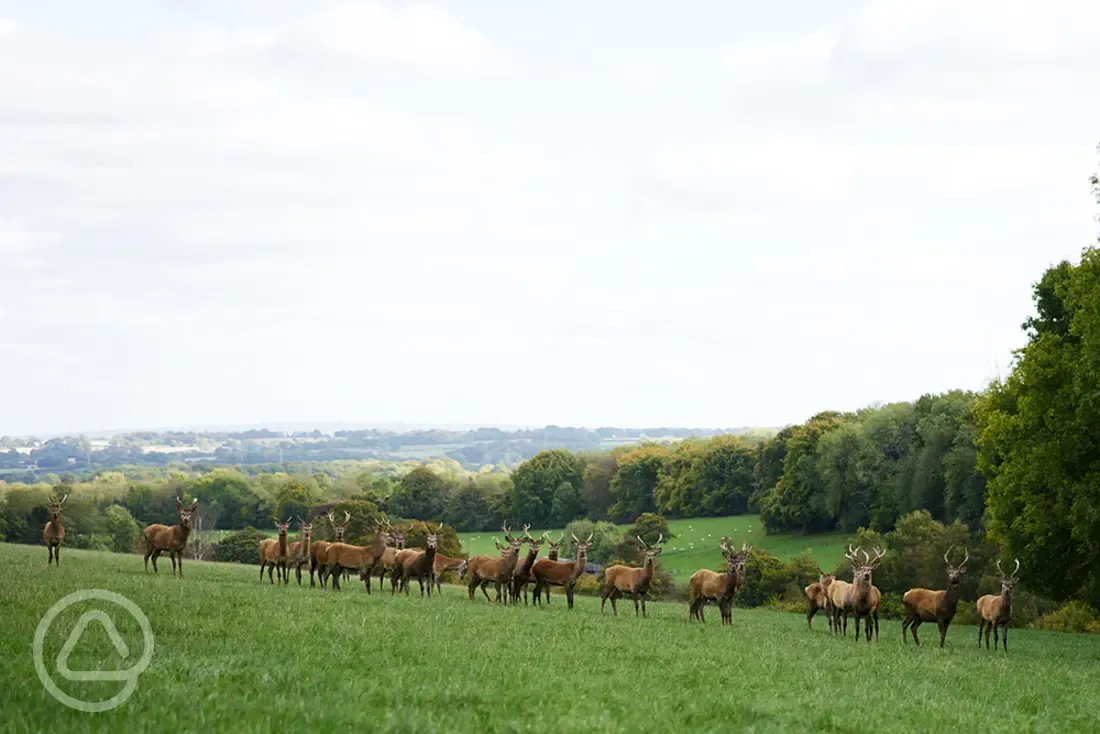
(696, 543)
(234, 654)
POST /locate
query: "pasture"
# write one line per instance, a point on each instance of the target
(235, 654)
(696, 543)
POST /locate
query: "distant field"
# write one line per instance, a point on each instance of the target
(696, 543)
(234, 654)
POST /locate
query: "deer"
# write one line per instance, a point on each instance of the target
(996, 610)
(274, 554)
(619, 579)
(389, 556)
(562, 573)
(817, 594)
(446, 563)
(483, 569)
(863, 598)
(721, 587)
(837, 594)
(54, 532)
(423, 565)
(300, 549)
(160, 538)
(521, 576)
(318, 552)
(360, 558)
(552, 555)
(926, 605)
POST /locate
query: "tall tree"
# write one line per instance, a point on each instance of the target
(539, 480)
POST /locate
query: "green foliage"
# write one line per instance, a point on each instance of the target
(295, 497)
(707, 478)
(546, 489)
(416, 536)
(797, 502)
(422, 494)
(596, 494)
(1039, 442)
(636, 481)
(605, 540)
(363, 524)
(240, 547)
(124, 531)
(1075, 616)
(767, 578)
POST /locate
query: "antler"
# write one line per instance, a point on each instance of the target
(507, 533)
(1017, 569)
(590, 536)
(660, 537)
(67, 497)
(331, 519)
(527, 534)
(575, 537)
(724, 544)
(852, 555)
(347, 518)
(642, 542)
(745, 548)
(878, 557)
(945, 555)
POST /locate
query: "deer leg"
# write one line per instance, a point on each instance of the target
(485, 583)
(634, 596)
(1004, 637)
(156, 555)
(876, 625)
(179, 559)
(857, 627)
(614, 598)
(643, 605)
(995, 636)
(943, 631)
(569, 597)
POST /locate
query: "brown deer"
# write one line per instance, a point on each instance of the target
(838, 595)
(389, 556)
(925, 605)
(318, 552)
(446, 563)
(160, 538)
(996, 610)
(619, 579)
(817, 594)
(483, 569)
(54, 532)
(707, 585)
(300, 549)
(551, 555)
(521, 576)
(423, 565)
(274, 554)
(360, 558)
(561, 573)
(863, 598)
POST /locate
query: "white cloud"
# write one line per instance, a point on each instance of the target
(765, 64)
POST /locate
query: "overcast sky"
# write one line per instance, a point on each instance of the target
(706, 213)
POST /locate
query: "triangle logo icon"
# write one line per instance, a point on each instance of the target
(94, 615)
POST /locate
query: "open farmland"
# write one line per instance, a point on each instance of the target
(696, 543)
(235, 654)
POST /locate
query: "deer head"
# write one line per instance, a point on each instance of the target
(433, 537)
(554, 544)
(54, 508)
(283, 527)
(955, 573)
(861, 571)
(582, 548)
(305, 527)
(186, 512)
(339, 528)
(514, 542)
(1008, 580)
(651, 552)
(462, 568)
(535, 544)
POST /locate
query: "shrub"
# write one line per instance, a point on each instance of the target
(1075, 616)
(605, 539)
(242, 546)
(123, 529)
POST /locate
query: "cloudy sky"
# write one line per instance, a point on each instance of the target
(706, 213)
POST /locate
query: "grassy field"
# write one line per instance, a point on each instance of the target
(696, 543)
(234, 654)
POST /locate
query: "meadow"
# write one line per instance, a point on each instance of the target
(696, 543)
(234, 654)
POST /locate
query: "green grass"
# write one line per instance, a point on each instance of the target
(235, 654)
(696, 543)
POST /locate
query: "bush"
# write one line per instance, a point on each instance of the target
(769, 580)
(1075, 616)
(123, 529)
(240, 547)
(605, 539)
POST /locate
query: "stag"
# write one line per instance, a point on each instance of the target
(423, 565)
(863, 598)
(483, 569)
(562, 573)
(300, 549)
(360, 558)
(389, 556)
(446, 563)
(160, 538)
(707, 585)
(817, 594)
(621, 579)
(996, 610)
(521, 576)
(551, 555)
(54, 532)
(318, 552)
(274, 554)
(926, 605)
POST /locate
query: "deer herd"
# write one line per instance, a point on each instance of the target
(510, 574)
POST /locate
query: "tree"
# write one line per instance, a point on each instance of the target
(636, 481)
(798, 501)
(1038, 440)
(421, 494)
(296, 497)
(596, 494)
(124, 531)
(537, 481)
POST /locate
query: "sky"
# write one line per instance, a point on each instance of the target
(707, 214)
